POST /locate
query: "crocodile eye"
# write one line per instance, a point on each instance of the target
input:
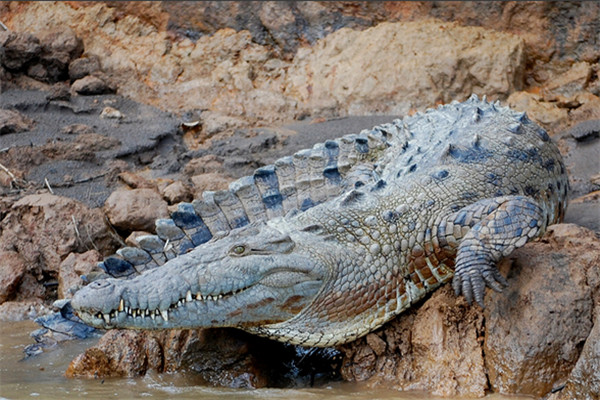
(238, 250)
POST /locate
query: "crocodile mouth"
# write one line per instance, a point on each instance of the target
(124, 312)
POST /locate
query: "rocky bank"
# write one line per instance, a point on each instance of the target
(111, 113)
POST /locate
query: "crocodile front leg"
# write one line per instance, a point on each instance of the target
(498, 226)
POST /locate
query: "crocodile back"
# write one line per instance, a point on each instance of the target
(291, 184)
(400, 225)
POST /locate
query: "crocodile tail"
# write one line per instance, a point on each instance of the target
(297, 182)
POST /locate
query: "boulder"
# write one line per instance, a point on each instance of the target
(59, 48)
(177, 192)
(90, 85)
(17, 49)
(584, 381)
(536, 327)
(209, 181)
(73, 268)
(201, 165)
(435, 347)
(43, 229)
(218, 356)
(59, 91)
(572, 81)
(136, 209)
(82, 67)
(398, 67)
(12, 269)
(23, 309)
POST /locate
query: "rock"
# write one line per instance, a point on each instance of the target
(547, 114)
(63, 41)
(588, 108)
(584, 381)
(241, 72)
(584, 211)
(535, 328)
(204, 164)
(44, 229)
(136, 209)
(434, 348)
(177, 192)
(209, 181)
(341, 71)
(84, 147)
(111, 113)
(71, 270)
(219, 359)
(77, 129)
(135, 181)
(90, 85)
(82, 67)
(5, 79)
(23, 310)
(572, 81)
(17, 49)
(585, 130)
(13, 122)
(12, 269)
(552, 31)
(59, 91)
(131, 240)
(38, 72)
(213, 123)
(580, 156)
(58, 49)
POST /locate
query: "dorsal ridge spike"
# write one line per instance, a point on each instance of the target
(352, 197)
(448, 149)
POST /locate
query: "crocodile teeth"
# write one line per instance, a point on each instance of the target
(121, 305)
(188, 296)
(106, 318)
(165, 314)
(152, 316)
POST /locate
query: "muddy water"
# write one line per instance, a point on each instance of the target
(42, 377)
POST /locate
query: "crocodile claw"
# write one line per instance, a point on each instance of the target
(470, 281)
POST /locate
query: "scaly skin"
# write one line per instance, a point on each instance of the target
(455, 190)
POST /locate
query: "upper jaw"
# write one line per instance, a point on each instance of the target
(255, 304)
(193, 297)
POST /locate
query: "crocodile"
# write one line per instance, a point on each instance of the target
(327, 245)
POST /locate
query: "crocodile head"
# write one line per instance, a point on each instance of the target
(256, 275)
